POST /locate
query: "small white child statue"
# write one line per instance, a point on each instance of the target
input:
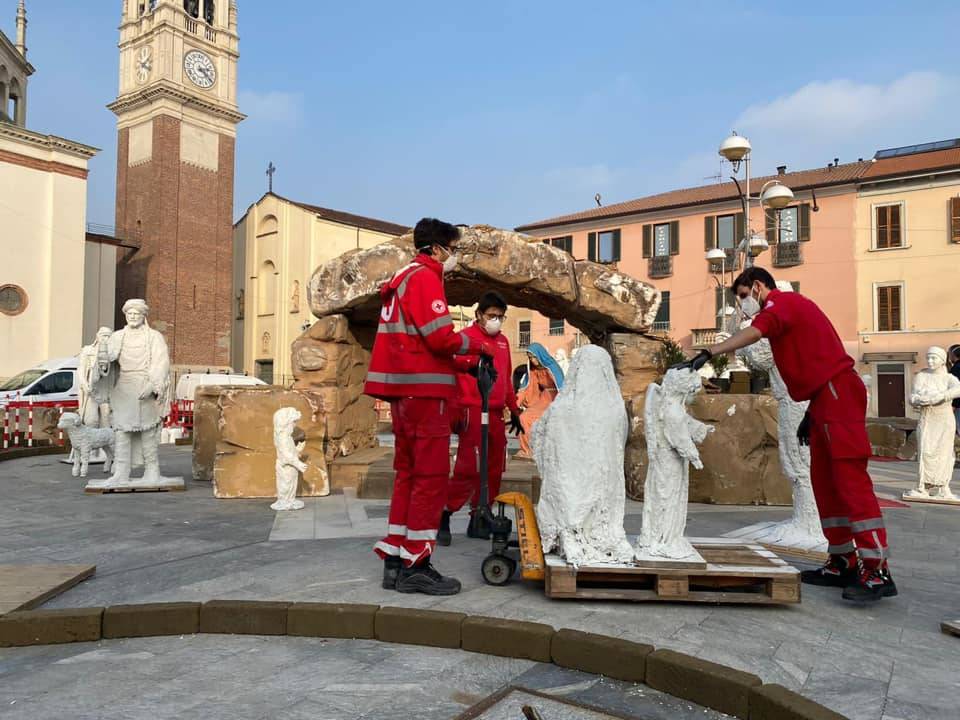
(933, 390)
(288, 465)
(672, 438)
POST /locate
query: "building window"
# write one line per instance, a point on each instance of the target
(523, 333)
(241, 301)
(889, 308)
(726, 232)
(888, 226)
(789, 223)
(556, 326)
(604, 247)
(13, 299)
(192, 8)
(661, 239)
(661, 323)
(267, 289)
(564, 243)
(955, 219)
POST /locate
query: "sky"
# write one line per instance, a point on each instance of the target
(509, 112)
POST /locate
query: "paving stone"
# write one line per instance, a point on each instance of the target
(419, 627)
(151, 619)
(332, 620)
(244, 617)
(47, 627)
(507, 638)
(706, 683)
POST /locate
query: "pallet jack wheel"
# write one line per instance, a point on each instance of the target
(498, 569)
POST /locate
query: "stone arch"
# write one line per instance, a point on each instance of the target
(267, 288)
(268, 225)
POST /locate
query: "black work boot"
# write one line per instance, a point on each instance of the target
(443, 533)
(839, 571)
(871, 585)
(482, 531)
(391, 570)
(423, 578)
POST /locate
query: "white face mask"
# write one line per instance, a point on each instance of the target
(450, 264)
(492, 327)
(749, 306)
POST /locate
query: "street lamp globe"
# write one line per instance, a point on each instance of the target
(716, 254)
(758, 244)
(735, 148)
(776, 196)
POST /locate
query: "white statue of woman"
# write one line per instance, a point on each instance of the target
(288, 464)
(933, 391)
(578, 445)
(803, 529)
(672, 438)
(562, 360)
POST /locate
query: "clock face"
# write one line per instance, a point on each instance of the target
(200, 69)
(144, 63)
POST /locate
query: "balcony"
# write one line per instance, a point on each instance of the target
(661, 266)
(787, 254)
(703, 337)
(661, 327)
(523, 340)
(732, 261)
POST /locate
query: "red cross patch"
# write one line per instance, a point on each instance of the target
(438, 306)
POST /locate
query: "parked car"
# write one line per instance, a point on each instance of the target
(189, 382)
(51, 381)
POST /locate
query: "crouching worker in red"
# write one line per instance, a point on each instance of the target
(465, 484)
(815, 367)
(412, 367)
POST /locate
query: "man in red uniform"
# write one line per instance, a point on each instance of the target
(465, 484)
(412, 367)
(815, 367)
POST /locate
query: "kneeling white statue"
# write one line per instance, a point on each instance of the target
(578, 445)
(672, 438)
(933, 390)
(289, 441)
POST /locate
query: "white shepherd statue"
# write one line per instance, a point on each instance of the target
(288, 465)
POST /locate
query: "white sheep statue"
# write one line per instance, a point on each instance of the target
(84, 440)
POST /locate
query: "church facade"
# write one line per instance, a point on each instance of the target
(177, 117)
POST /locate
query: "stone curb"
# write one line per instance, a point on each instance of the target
(50, 627)
(244, 617)
(601, 655)
(152, 619)
(775, 702)
(709, 684)
(330, 620)
(507, 638)
(714, 686)
(419, 627)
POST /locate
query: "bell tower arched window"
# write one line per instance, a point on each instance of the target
(209, 11)
(192, 8)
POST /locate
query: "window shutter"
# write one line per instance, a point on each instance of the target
(647, 241)
(883, 310)
(709, 233)
(568, 244)
(882, 227)
(804, 214)
(616, 246)
(592, 247)
(741, 230)
(770, 221)
(896, 226)
(894, 307)
(675, 237)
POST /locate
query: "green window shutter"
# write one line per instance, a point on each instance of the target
(647, 241)
(770, 221)
(616, 246)
(568, 244)
(592, 247)
(675, 237)
(709, 233)
(804, 222)
(741, 229)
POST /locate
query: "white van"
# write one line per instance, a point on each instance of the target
(189, 382)
(51, 381)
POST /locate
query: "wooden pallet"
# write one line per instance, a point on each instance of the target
(23, 587)
(737, 572)
(931, 500)
(140, 489)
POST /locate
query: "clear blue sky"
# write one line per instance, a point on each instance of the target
(508, 112)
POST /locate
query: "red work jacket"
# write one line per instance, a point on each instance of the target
(806, 347)
(415, 344)
(501, 394)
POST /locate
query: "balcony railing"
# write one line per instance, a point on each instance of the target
(524, 339)
(661, 327)
(702, 337)
(787, 254)
(732, 262)
(661, 266)
(191, 25)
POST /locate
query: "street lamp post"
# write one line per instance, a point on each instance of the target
(718, 254)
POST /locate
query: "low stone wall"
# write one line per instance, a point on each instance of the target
(893, 438)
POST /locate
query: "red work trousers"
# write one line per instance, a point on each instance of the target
(465, 483)
(421, 428)
(839, 452)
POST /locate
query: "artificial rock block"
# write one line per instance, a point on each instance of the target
(635, 361)
(775, 702)
(705, 683)
(600, 655)
(151, 619)
(419, 627)
(50, 627)
(244, 617)
(332, 620)
(507, 638)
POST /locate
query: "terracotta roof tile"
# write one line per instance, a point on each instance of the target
(366, 223)
(937, 160)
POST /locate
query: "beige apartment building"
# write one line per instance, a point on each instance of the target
(277, 245)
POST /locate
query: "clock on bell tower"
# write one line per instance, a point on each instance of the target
(177, 122)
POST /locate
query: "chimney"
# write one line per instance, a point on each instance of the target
(781, 169)
(22, 29)
(836, 161)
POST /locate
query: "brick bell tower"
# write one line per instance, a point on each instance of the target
(177, 122)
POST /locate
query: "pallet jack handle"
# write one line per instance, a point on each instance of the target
(486, 376)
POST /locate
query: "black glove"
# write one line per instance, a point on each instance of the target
(803, 430)
(694, 363)
(516, 427)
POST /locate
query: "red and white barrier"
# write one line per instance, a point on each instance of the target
(14, 435)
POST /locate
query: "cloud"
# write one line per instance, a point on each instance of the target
(844, 107)
(273, 110)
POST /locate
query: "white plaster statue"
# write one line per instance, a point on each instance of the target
(803, 530)
(84, 440)
(134, 365)
(288, 465)
(93, 400)
(578, 445)
(868, 385)
(672, 438)
(933, 391)
(563, 361)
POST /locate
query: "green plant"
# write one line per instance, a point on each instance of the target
(670, 354)
(719, 363)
